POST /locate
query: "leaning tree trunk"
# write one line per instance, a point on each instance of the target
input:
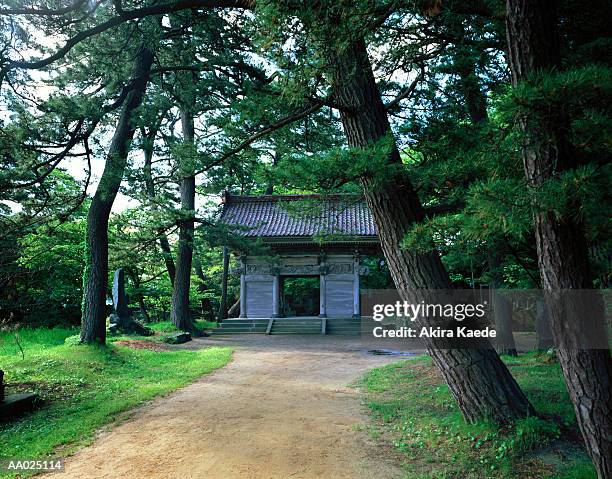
(533, 46)
(95, 276)
(180, 314)
(477, 378)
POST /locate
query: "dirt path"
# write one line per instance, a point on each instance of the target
(281, 409)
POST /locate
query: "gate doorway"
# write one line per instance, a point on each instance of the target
(299, 296)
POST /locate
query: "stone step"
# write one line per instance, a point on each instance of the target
(279, 321)
(245, 328)
(14, 405)
(235, 328)
(245, 321)
(297, 323)
(242, 328)
(228, 333)
(296, 326)
(295, 330)
(276, 327)
(301, 325)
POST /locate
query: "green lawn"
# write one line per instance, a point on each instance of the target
(168, 327)
(413, 410)
(163, 329)
(86, 387)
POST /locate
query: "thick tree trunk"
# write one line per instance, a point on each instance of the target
(502, 308)
(95, 276)
(205, 303)
(180, 314)
(150, 189)
(533, 45)
(544, 339)
(478, 379)
(275, 161)
(222, 314)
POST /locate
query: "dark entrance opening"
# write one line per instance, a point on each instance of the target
(300, 296)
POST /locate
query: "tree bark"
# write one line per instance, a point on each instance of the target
(150, 189)
(502, 308)
(533, 46)
(95, 276)
(477, 378)
(275, 161)
(180, 314)
(234, 310)
(222, 314)
(205, 303)
(544, 339)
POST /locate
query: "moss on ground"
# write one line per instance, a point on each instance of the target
(413, 410)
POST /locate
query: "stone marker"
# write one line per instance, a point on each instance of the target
(179, 338)
(119, 297)
(14, 405)
(121, 319)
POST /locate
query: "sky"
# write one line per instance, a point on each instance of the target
(76, 167)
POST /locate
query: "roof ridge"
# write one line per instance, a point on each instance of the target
(229, 198)
(266, 216)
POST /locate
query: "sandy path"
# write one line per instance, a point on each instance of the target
(280, 409)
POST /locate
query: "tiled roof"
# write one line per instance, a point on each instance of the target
(299, 216)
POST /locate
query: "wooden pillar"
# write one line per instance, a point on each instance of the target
(322, 286)
(322, 296)
(243, 298)
(356, 299)
(222, 314)
(275, 295)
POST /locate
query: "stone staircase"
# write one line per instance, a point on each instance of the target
(242, 326)
(300, 325)
(344, 326)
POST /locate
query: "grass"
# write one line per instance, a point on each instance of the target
(86, 387)
(168, 327)
(413, 409)
(164, 329)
